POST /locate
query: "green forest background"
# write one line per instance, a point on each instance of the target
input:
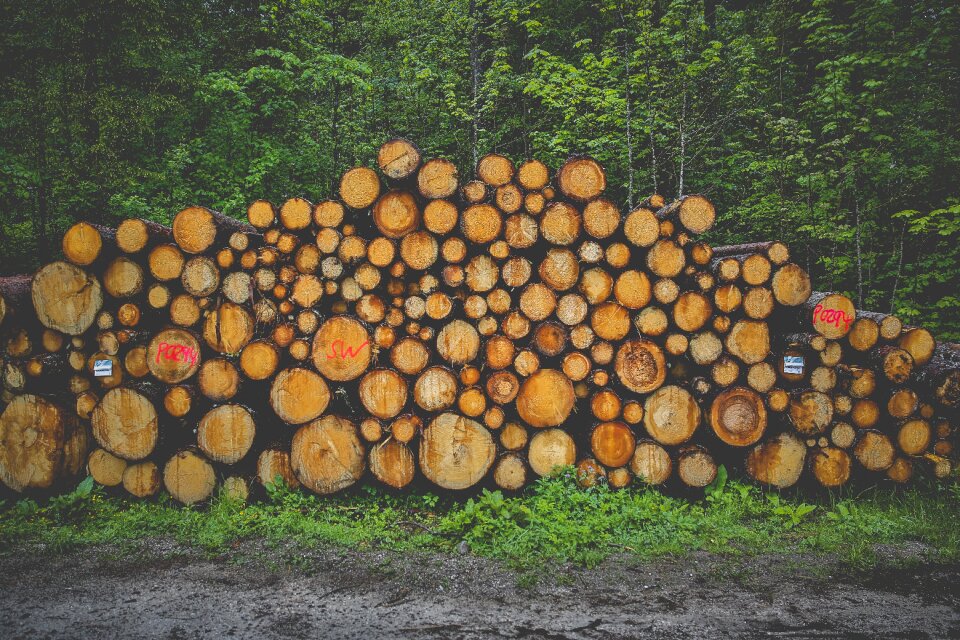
(832, 125)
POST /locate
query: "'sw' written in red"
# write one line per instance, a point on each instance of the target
(344, 351)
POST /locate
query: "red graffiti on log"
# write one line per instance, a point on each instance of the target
(832, 316)
(345, 351)
(178, 352)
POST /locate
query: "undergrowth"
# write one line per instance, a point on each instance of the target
(554, 520)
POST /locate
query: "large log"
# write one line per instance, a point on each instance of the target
(327, 455)
(40, 444)
(455, 452)
(66, 298)
(125, 423)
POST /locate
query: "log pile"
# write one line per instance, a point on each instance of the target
(459, 330)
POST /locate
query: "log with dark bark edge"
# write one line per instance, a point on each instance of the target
(15, 301)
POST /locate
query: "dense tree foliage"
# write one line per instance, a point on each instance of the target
(832, 125)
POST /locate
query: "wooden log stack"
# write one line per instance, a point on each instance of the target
(428, 327)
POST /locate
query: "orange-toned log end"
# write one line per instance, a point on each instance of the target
(327, 455)
(82, 244)
(738, 416)
(359, 187)
(791, 285)
(651, 463)
(393, 464)
(189, 478)
(261, 214)
(455, 452)
(777, 462)
(612, 443)
(811, 412)
(341, 349)
(194, 229)
(510, 472)
(697, 214)
(832, 315)
(143, 479)
(830, 467)
(546, 399)
(581, 179)
(225, 434)
(398, 158)
(696, 467)
(495, 170)
(396, 213)
(874, 450)
(533, 175)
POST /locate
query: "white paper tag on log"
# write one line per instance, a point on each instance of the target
(102, 368)
(793, 364)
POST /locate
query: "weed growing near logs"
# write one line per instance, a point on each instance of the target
(553, 521)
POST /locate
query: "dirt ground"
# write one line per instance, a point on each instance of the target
(162, 591)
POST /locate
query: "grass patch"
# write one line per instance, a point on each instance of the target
(554, 520)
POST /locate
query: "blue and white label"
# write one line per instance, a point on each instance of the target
(102, 368)
(793, 365)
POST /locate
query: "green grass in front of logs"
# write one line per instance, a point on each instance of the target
(552, 521)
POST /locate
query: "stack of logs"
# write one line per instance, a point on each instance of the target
(462, 332)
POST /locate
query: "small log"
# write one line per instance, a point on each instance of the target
(273, 468)
(612, 443)
(173, 355)
(383, 392)
(874, 451)
(142, 480)
(134, 235)
(437, 178)
(581, 179)
(810, 412)
(696, 467)
(125, 423)
(396, 213)
(830, 466)
(393, 464)
(510, 472)
(495, 170)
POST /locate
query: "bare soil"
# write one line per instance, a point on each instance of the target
(161, 590)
